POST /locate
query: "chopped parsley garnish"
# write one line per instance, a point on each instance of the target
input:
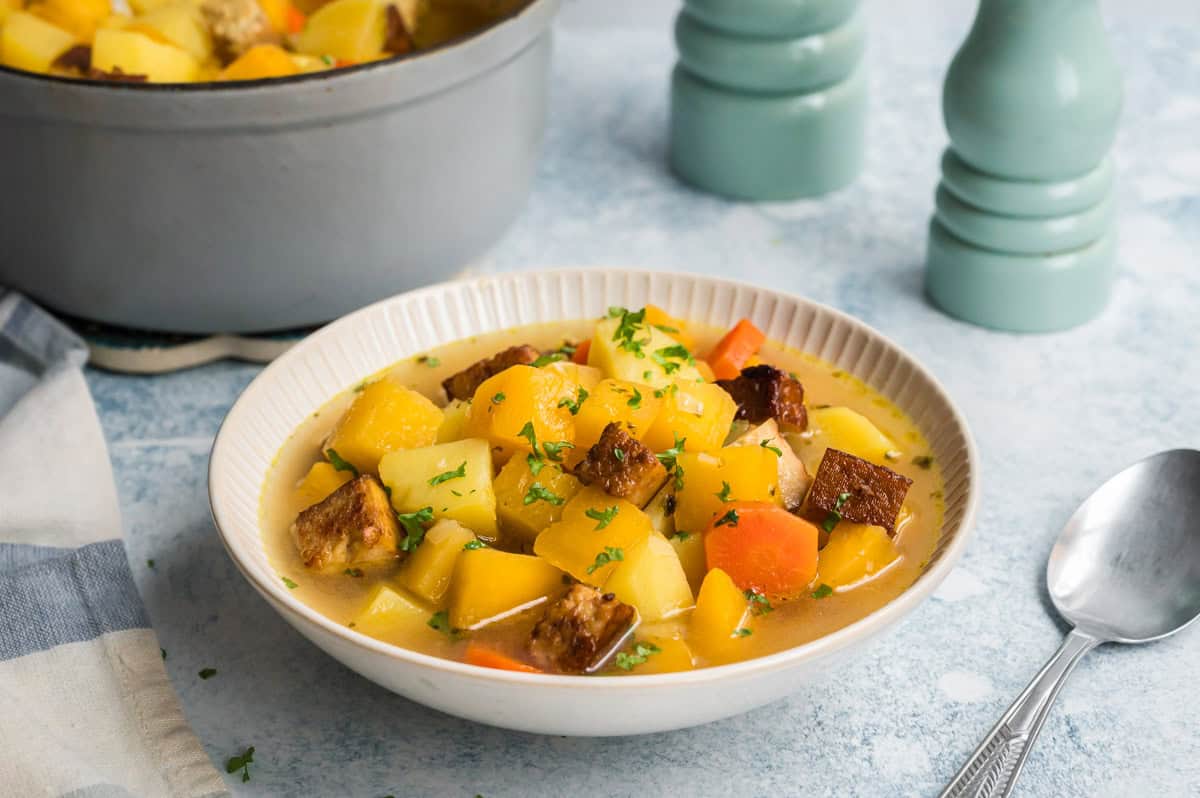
(538, 492)
(149, 563)
(730, 518)
(661, 392)
(683, 536)
(446, 476)
(328, 60)
(568, 348)
(534, 459)
(473, 544)
(355, 572)
(742, 632)
(290, 584)
(241, 762)
(338, 463)
(823, 591)
(670, 460)
(619, 454)
(667, 355)
(647, 375)
(414, 531)
(547, 359)
(924, 461)
(835, 515)
(641, 652)
(610, 554)
(207, 673)
(553, 449)
(432, 362)
(759, 602)
(527, 432)
(573, 405)
(628, 327)
(498, 398)
(636, 401)
(602, 517)
(457, 493)
(440, 620)
(766, 444)
(668, 329)
(723, 494)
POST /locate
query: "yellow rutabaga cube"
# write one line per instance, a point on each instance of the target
(844, 429)
(31, 43)
(352, 30)
(595, 533)
(453, 479)
(676, 328)
(627, 348)
(395, 616)
(79, 17)
(489, 585)
(689, 547)
(711, 481)
(719, 622)
(136, 53)
(651, 579)
(454, 421)
(585, 377)
(630, 404)
(384, 417)
(427, 571)
(320, 481)
(654, 654)
(854, 552)
(698, 413)
(525, 510)
(794, 479)
(518, 406)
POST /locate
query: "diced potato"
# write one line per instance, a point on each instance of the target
(521, 519)
(353, 30)
(261, 61)
(454, 421)
(320, 481)
(136, 53)
(31, 43)
(659, 363)
(750, 472)
(661, 510)
(577, 546)
(721, 610)
(854, 552)
(396, 617)
(78, 17)
(531, 396)
(585, 377)
(651, 579)
(607, 402)
(676, 328)
(427, 571)
(673, 656)
(843, 428)
(384, 417)
(689, 547)
(794, 479)
(455, 479)
(182, 25)
(698, 412)
(490, 584)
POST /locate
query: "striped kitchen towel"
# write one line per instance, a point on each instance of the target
(86, 708)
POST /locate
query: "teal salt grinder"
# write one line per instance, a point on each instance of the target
(769, 97)
(1023, 236)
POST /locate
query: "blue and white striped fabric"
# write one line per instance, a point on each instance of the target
(86, 708)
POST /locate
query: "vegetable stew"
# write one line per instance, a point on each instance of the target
(621, 511)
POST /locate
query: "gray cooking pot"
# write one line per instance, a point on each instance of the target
(269, 204)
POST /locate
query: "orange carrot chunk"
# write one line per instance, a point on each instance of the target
(763, 547)
(485, 657)
(295, 19)
(581, 352)
(732, 352)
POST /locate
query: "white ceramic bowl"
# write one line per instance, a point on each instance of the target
(348, 350)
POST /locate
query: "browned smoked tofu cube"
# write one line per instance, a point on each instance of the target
(580, 630)
(463, 384)
(354, 525)
(764, 392)
(874, 493)
(622, 466)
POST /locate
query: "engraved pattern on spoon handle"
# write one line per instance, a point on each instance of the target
(992, 770)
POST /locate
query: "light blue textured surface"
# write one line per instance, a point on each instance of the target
(1053, 417)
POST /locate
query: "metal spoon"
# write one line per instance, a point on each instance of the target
(1126, 569)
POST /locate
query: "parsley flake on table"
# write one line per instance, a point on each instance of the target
(758, 602)
(338, 463)
(539, 492)
(723, 493)
(355, 572)
(766, 444)
(573, 405)
(610, 554)
(163, 651)
(742, 632)
(207, 673)
(823, 591)
(498, 397)
(446, 476)
(290, 584)
(730, 518)
(636, 400)
(149, 563)
(602, 517)
(835, 515)
(241, 762)
(413, 527)
(641, 652)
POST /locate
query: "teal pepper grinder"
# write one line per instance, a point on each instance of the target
(769, 97)
(1023, 235)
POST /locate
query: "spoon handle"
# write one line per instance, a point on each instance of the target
(992, 770)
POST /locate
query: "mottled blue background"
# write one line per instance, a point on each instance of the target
(1053, 416)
